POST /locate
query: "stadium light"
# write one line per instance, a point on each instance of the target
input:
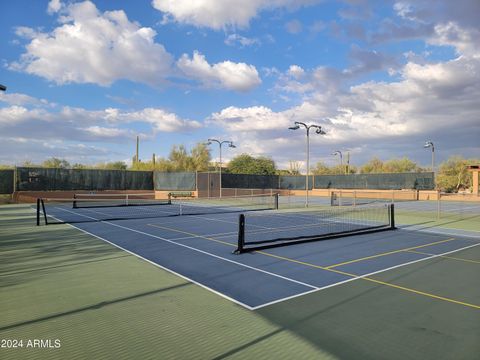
(319, 131)
(338, 152)
(220, 143)
(429, 144)
(3, 87)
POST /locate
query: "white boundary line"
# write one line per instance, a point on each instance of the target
(441, 231)
(366, 275)
(314, 288)
(190, 248)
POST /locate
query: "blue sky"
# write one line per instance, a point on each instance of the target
(381, 77)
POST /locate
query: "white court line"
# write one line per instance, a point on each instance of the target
(314, 288)
(189, 215)
(441, 231)
(194, 249)
(365, 275)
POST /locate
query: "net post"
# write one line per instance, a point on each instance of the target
(276, 198)
(392, 216)
(241, 235)
(74, 205)
(44, 212)
(38, 211)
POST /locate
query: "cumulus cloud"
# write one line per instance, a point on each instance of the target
(160, 119)
(77, 124)
(94, 47)
(234, 76)
(430, 100)
(221, 14)
(54, 6)
(23, 99)
(36, 151)
(242, 41)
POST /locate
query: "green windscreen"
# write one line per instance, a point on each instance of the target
(175, 180)
(43, 179)
(6, 181)
(393, 181)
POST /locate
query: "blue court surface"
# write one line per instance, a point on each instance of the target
(199, 247)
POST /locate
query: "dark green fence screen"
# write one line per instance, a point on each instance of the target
(6, 181)
(42, 179)
(297, 182)
(175, 180)
(247, 181)
(394, 181)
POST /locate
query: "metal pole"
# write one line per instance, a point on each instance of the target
(220, 144)
(433, 159)
(308, 166)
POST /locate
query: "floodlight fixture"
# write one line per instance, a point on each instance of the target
(220, 143)
(319, 131)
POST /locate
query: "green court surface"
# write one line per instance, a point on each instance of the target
(100, 302)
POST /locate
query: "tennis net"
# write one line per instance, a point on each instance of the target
(111, 200)
(79, 210)
(274, 229)
(356, 197)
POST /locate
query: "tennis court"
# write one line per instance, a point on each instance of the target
(410, 283)
(199, 245)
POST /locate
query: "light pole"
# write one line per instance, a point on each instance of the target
(317, 131)
(338, 152)
(429, 144)
(220, 143)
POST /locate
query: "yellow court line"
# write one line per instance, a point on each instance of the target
(333, 270)
(192, 234)
(418, 292)
(447, 257)
(388, 253)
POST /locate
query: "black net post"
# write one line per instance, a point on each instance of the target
(392, 216)
(275, 205)
(38, 212)
(40, 209)
(241, 234)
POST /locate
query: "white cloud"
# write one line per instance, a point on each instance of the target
(436, 101)
(256, 118)
(23, 99)
(54, 6)
(234, 39)
(77, 124)
(160, 120)
(296, 71)
(107, 132)
(36, 151)
(233, 76)
(94, 47)
(217, 14)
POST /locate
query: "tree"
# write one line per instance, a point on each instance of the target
(374, 165)
(179, 159)
(453, 174)
(321, 169)
(116, 165)
(246, 164)
(294, 167)
(200, 157)
(56, 163)
(400, 165)
(79, 166)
